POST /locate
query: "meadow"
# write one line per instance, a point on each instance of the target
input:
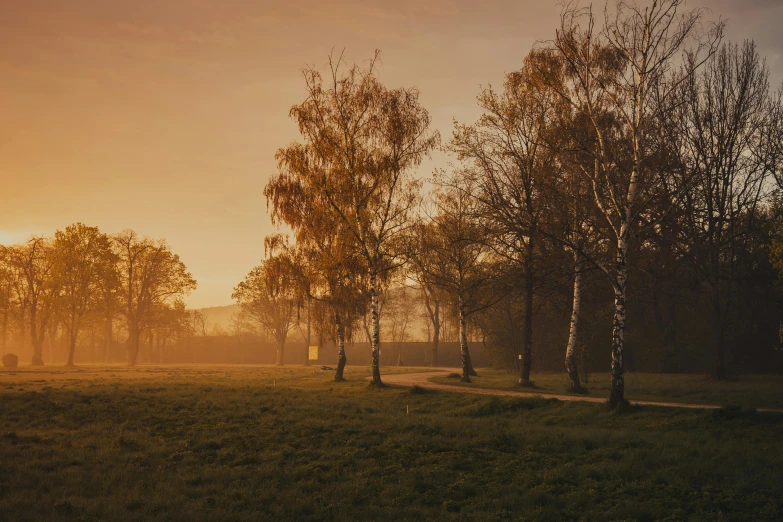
(748, 391)
(266, 443)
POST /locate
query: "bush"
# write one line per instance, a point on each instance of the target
(420, 390)
(10, 360)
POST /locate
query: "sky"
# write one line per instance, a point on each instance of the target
(164, 116)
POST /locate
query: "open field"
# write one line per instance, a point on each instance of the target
(749, 391)
(254, 443)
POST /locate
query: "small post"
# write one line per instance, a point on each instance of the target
(406, 409)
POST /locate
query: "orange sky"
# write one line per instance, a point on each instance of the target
(164, 115)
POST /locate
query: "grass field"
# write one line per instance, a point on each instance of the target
(262, 443)
(749, 391)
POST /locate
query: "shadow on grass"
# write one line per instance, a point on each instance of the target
(746, 416)
(579, 390)
(625, 408)
(497, 405)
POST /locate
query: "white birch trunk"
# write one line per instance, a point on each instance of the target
(341, 359)
(617, 395)
(307, 341)
(376, 330)
(570, 358)
(463, 343)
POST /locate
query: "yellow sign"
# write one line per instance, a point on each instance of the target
(313, 353)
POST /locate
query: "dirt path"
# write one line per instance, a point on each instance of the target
(422, 379)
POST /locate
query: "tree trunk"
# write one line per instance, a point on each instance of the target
(71, 348)
(341, 359)
(471, 370)
(280, 352)
(436, 333)
(527, 334)
(617, 394)
(307, 341)
(376, 331)
(37, 353)
(570, 358)
(719, 352)
(22, 338)
(52, 334)
(37, 342)
(133, 346)
(463, 343)
(5, 325)
(108, 337)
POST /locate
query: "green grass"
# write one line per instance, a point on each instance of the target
(223, 443)
(750, 391)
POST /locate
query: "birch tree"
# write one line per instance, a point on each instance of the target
(367, 140)
(325, 246)
(619, 77)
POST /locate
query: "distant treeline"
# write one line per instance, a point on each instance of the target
(86, 287)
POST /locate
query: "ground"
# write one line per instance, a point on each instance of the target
(254, 443)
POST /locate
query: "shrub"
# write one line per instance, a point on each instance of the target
(10, 360)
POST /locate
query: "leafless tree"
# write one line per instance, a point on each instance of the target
(727, 134)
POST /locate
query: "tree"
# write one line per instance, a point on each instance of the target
(111, 296)
(322, 260)
(725, 119)
(570, 220)
(361, 143)
(508, 149)
(619, 78)
(151, 278)
(461, 258)
(36, 288)
(6, 299)
(300, 263)
(172, 323)
(82, 259)
(399, 311)
(421, 267)
(268, 296)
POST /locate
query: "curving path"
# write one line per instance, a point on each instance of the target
(422, 379)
